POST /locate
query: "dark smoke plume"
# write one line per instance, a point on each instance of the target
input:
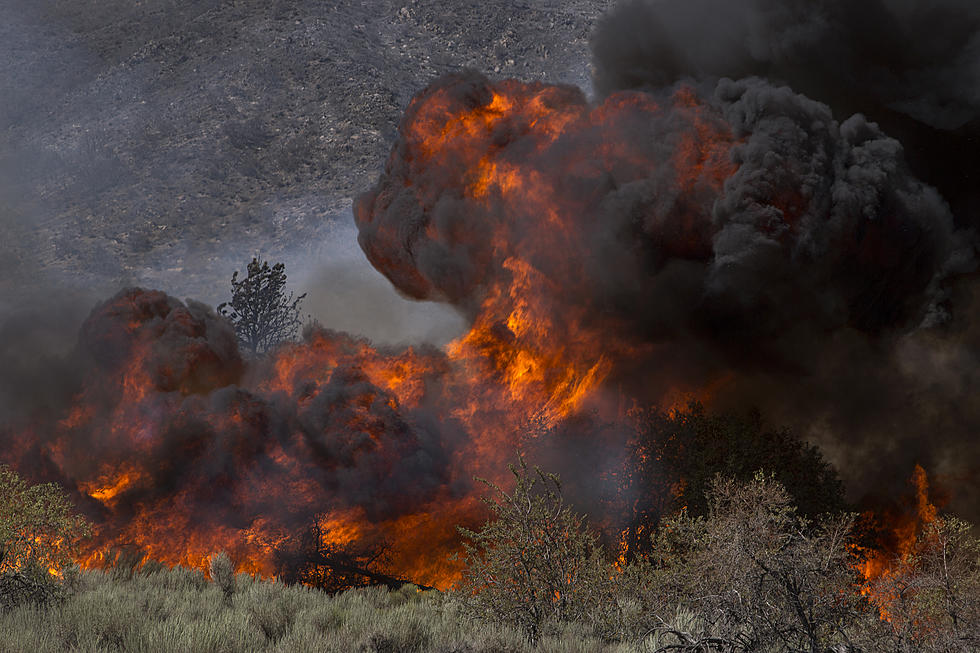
(794, 222)
(170, 443)
(717, 226)
(879, 402)
(911, 66)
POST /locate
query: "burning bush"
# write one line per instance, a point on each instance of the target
(38, 533)
(750, 574)
(929, 595)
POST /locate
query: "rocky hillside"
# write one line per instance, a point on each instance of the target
(162, 142)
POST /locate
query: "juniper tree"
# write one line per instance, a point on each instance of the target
(263, 314)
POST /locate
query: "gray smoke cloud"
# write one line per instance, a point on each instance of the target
(344, 292)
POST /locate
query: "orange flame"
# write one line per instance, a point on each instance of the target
(905, 532)
(281, 443)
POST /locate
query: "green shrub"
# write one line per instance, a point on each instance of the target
(273, 607)
(38, 524)
(38, 533)
(412, 636)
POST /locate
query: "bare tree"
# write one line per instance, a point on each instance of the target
(261, 311)
(535, 563)
(313, 558)
(755, 575)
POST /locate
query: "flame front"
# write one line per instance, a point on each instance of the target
(900, 542)
(594, 249)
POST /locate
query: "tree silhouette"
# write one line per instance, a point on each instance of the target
(261, 311)
(311, 558)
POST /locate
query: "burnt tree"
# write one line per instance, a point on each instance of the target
(317, 559)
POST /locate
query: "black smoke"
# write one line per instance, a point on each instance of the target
(911, 66)
(830, 274)
(215, 445)
(878, 401)
(821, 224)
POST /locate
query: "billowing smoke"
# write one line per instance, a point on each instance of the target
(750, 211)
(172, 445)
(719, 224)
(878, 402)
(911, 66)
(697, 231)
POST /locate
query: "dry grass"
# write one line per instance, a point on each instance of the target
(180, 610)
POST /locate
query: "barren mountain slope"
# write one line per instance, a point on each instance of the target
(162, 142)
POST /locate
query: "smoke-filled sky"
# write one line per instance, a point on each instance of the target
(777, 199)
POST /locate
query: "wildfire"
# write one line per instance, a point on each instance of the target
(582, 240)
(111, 485)
(902, 541)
